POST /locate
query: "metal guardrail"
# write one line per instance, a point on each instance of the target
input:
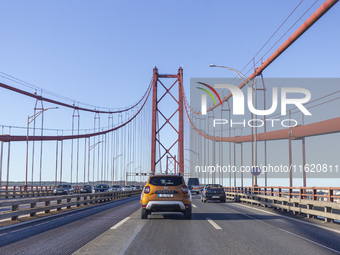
(24, 193)
(300, 203)
(12, 209)
(7, 192)
(330, 194)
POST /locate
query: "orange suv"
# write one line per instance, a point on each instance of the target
(166, 193)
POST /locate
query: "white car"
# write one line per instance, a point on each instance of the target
(126, 188)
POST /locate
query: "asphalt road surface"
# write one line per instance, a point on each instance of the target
(65, 233)
(216, 228)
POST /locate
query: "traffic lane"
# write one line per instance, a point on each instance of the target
(226, 232)
(315, 232)
(64, 234)
(213, 229)
(265, 227)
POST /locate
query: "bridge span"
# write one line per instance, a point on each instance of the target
(71, 173)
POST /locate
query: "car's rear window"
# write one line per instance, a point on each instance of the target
(193, 182)
(166, 180)
(63, 186)
(214, 186)
(102, 186)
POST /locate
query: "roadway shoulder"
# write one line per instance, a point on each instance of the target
(117, 240)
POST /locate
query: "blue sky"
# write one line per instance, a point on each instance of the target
(103, 52)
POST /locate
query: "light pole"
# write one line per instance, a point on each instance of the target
(197, 154)
(29, 121)
(113, 169)
(136, 173)
(94, 145)
(190, 165)
(90, 148)
(126, 171)
(246, 80)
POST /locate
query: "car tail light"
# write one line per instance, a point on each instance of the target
(146, 189)
(184, 189)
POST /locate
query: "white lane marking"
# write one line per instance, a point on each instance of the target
(40, 224)
(213, 224)
(308, 223)
(286, 231)
(194, 206)
(19, 229)
(128, 243)
(120, 223)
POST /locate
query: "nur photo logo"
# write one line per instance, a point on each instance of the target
(238, 105)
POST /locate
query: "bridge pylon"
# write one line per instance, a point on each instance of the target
(160, 120)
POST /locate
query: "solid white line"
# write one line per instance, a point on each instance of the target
(128, 243)
(289, 218)
(286, 231)
(194, 206)
(19, 229)
(213, 224)
(120, 223)
(40, 224)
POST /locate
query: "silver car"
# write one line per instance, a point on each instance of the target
(63, 189)
(116, 188)
(126, 188)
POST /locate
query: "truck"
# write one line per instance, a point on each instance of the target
(194, 185)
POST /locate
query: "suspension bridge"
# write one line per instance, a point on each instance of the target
(168, 132)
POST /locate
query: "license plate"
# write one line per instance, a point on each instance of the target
(215, 197)
(165, 195)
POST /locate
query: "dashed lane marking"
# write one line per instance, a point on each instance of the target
(213, 224)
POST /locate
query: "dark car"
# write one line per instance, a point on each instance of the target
(63, 189)
(213, 192)
(102, 188)
(87, 189)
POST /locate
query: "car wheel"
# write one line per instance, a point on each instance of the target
(144, 214)
(188, 213)
(223, 200)
(204, 200)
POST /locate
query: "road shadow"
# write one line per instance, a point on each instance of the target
(212, 216)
